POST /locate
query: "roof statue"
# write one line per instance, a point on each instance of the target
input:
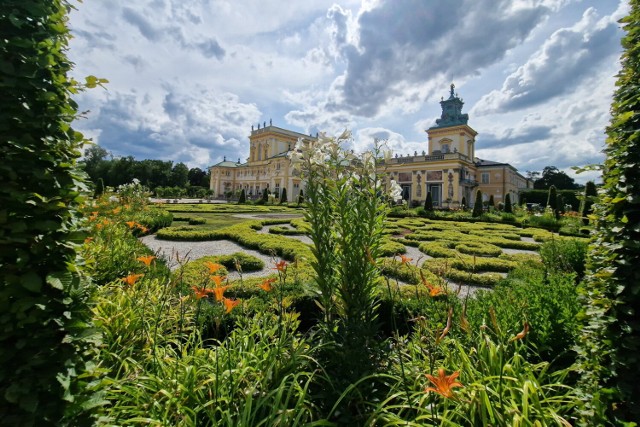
(451, 111)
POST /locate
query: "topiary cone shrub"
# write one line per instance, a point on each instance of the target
(552, 200)
(283, 197)
(428, 203)
(265, 195)
(492, 203)
(590, 195)
(477, 206)
(243, 197)
(300, 198)
(507, 204)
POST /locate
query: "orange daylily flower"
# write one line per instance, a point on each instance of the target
(88, 240)
(405, 259)
(146, 259)
(200, 292)
(522, 333)
(131, 279)
(219, 292)
(266, 284)
(218, 280)
(116, 211)
(281, 265)
(434, 290)
(143, 228)
(212, 266)
(230, 303)
(131, 224)
(443, 383)
(93, 216)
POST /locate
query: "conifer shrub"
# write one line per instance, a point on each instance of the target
(492, 203)
(301, 198)
(243, 197)
(265, 195)
(586, 207)
(507, 204)
(477, 206)
(283, 196)
(463, 204)
(428, 203)
(552, 198)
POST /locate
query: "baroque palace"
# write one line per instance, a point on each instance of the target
(449, 169)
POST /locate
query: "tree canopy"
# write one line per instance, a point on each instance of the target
(551, 175)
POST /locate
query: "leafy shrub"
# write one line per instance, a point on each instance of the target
(46, 338)
(549, 306)
(565, 255)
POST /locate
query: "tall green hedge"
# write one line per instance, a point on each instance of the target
(541, 197)
(44, 317)
(609, 351)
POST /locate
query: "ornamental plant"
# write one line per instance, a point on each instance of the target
(45, 324)
(507, 204)
(346, 212)
(428, 203)
(477, 206)
(586, 207)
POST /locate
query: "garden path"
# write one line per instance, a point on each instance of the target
(175, 252)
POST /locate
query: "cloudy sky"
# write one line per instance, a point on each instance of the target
(188, 78)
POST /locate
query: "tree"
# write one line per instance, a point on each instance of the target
(265, 195)
(463, 203)
(283, 196)
(300, 198)
(492, 203)
(552, 176)
(243, 197)
(589, 197)
(198, 177)
(507, 204)
(94, 157)
(179, 175)
(428, 203)
(477, 206)
(45, 322)
(609, 343)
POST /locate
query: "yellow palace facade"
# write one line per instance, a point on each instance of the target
(448, 169)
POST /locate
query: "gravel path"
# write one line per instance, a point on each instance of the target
(172, 251)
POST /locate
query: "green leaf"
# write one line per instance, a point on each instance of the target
(31, 281)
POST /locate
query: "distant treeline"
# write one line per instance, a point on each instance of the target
(163, 177)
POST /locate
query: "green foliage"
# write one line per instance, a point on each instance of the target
(492, 204)
(197, 220)
(463, 204)
(283, 196)
(610, 340)
(265, 195)
(477, 206)
(46, 332)
(243, 197)
(300, 198)
(549, 306)
(551, 176)
(565, 256)
(541, 196)
(507, 204)
(589, 198)
(428, 203)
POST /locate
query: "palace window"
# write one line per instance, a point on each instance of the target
(485, 177)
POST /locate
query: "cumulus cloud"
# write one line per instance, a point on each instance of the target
(409, 45)
(514, 136)
(198, 130)
(563, 62)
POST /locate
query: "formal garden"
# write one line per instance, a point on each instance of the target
(340, 309)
